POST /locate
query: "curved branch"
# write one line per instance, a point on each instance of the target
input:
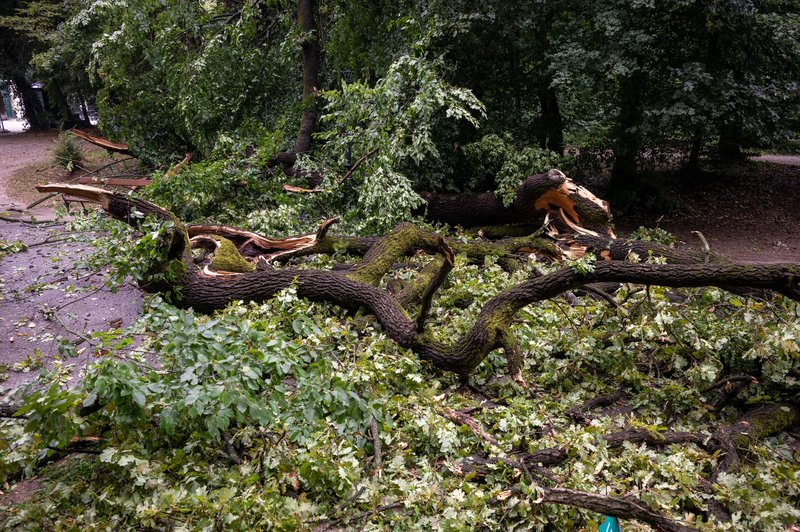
(358, 286)
(624, 507)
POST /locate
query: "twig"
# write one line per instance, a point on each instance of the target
(352, 498)
(602, 294)
(96, 171)
(82, 337)
(706, 248)
(728, 380)
(81, 298)
(376, 443)
(358, 163)
(33, 223)
(41, 200)
(54, 239)
(578, 413)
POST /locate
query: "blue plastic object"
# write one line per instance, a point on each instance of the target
(611, 524)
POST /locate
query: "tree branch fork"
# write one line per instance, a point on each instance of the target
(207, 290)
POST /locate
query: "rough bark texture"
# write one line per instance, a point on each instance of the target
(305, 19)
(306, 12)
(356, 287)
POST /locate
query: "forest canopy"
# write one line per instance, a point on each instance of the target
(462, 95)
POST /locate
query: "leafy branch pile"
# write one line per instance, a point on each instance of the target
(290, 413)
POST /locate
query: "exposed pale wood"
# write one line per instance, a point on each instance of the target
(117, 147)
(177, 168)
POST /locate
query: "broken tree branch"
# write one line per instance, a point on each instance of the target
(358, 286)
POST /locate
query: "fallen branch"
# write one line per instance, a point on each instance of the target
(103, 143)
(465, 420)
(752, 426)
(357, 286)
(358, 163)
(621, 507)
(376, 444)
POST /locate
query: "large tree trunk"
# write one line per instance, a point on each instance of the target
(306, 21)
(536, 196)
(206, 289)
(305, 17)
(627, 141)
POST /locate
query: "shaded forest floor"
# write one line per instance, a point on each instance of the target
(749, 211)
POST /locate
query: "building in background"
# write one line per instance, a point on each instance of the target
(7, 104)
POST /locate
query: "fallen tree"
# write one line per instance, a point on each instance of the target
(210, 266)
(228, 275)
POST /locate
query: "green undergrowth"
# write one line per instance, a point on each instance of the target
(259, 416)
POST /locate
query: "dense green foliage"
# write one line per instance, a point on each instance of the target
(650, 82)
(290, 388)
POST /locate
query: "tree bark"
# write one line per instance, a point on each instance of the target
(306, 10)
(306, 13)
(537, 196)
(627, 141)
(552, 124)
(207, 290)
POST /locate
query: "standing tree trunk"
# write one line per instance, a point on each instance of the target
(552, 136)
(306, 10)
(627, 141)
(84, 110)
(730, 148)
(693, 164)
(34, 111)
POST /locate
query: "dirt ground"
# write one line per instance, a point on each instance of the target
(44, 295)
(749, 213)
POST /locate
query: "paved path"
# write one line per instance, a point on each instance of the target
(788, 160)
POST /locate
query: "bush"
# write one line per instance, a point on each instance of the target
(67, 152)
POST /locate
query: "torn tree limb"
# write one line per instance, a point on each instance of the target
(358, 286)
(535, 197)
(115, 147)
(448, 261)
